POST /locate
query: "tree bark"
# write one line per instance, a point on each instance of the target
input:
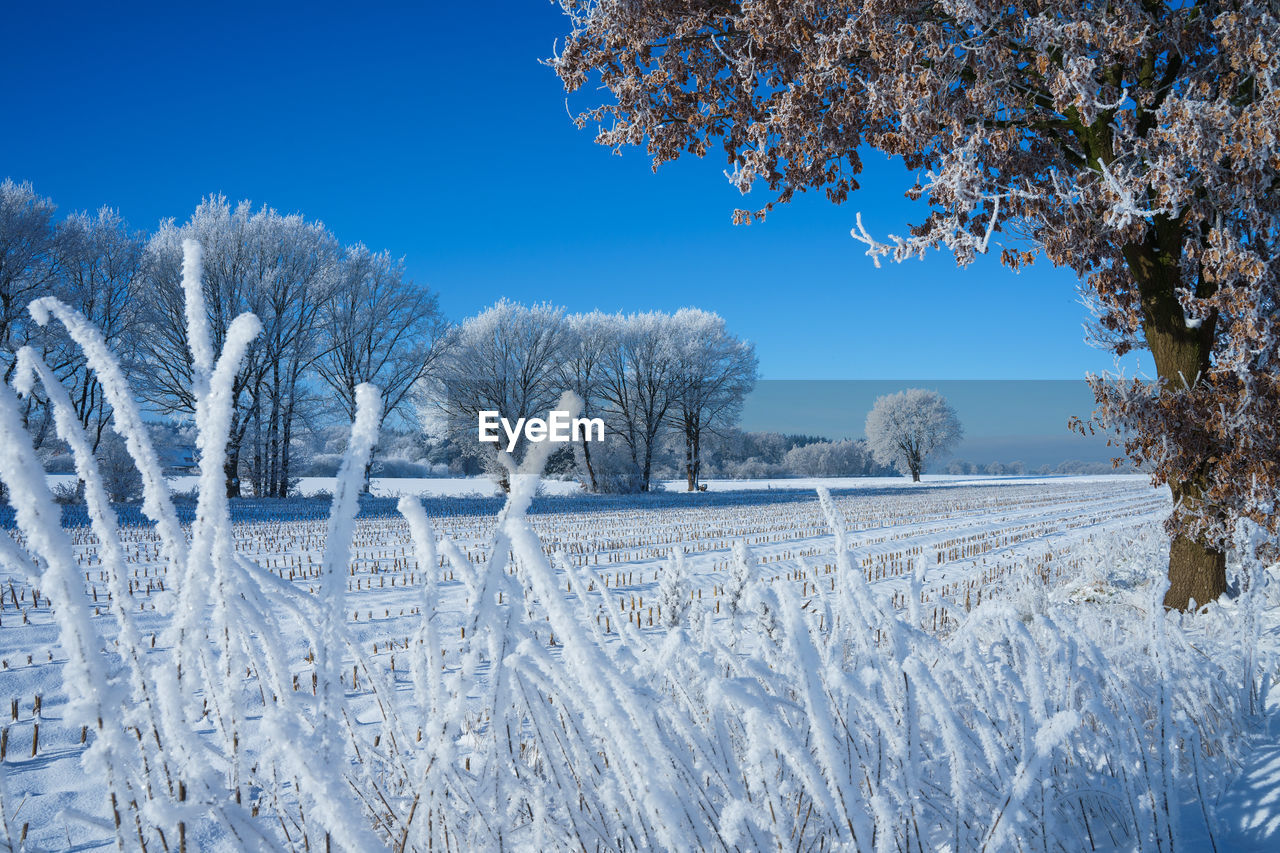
(285, 455)
(1197, 567)
(257, 468)
(648, 463)
(691, 457)
(240, 421)
(1197, 572)
(586, 459)
(231, 470)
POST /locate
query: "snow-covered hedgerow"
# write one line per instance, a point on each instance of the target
(1047, 719)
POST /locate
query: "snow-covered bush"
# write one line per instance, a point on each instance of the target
(327, 465)
(58, 463)
(614, 471)
(764, 455)
(832, 459)
(751, 469)
(66, 494)
(398, 466)
(322, 465)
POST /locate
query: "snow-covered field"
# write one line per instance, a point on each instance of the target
(486, 487)
(957, 663)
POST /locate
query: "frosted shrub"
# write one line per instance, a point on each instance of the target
(398, 466)
(762, 601)
(614, 471)
(673, 590)
(66, 494)
(530, 722)
(58, 463)
(741, 574)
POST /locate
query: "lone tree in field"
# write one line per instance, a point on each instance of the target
(906, 428)
(1132, 141)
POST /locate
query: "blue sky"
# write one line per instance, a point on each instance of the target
(432, 131)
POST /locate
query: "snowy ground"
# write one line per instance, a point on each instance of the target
(963, 540)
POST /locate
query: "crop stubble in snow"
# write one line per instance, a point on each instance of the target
(964, 540)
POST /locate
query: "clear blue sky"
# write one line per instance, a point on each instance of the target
(432, 131)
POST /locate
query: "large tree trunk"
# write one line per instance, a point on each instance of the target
(257, 465)
(586, 459)
(231, 470)
(690, 458)
(648, 464)
(1197, 572)
(1197, 568)
(286, 454)
(272, 447)
(235, 441)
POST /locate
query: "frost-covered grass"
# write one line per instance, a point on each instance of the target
(956, 667)
(1038, 711)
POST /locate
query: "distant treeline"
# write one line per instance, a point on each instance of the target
(1069, 466)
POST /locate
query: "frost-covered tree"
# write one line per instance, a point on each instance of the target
(1131, 142)
(381, 328)
(26, 272)
(278, 267)
(93, 264)
(906, 428)
(641, 386)
(26, 261)
(652, 377)
(582, 371)
(715, 372)
(298, 264)
(506, 359)
(98, 269)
